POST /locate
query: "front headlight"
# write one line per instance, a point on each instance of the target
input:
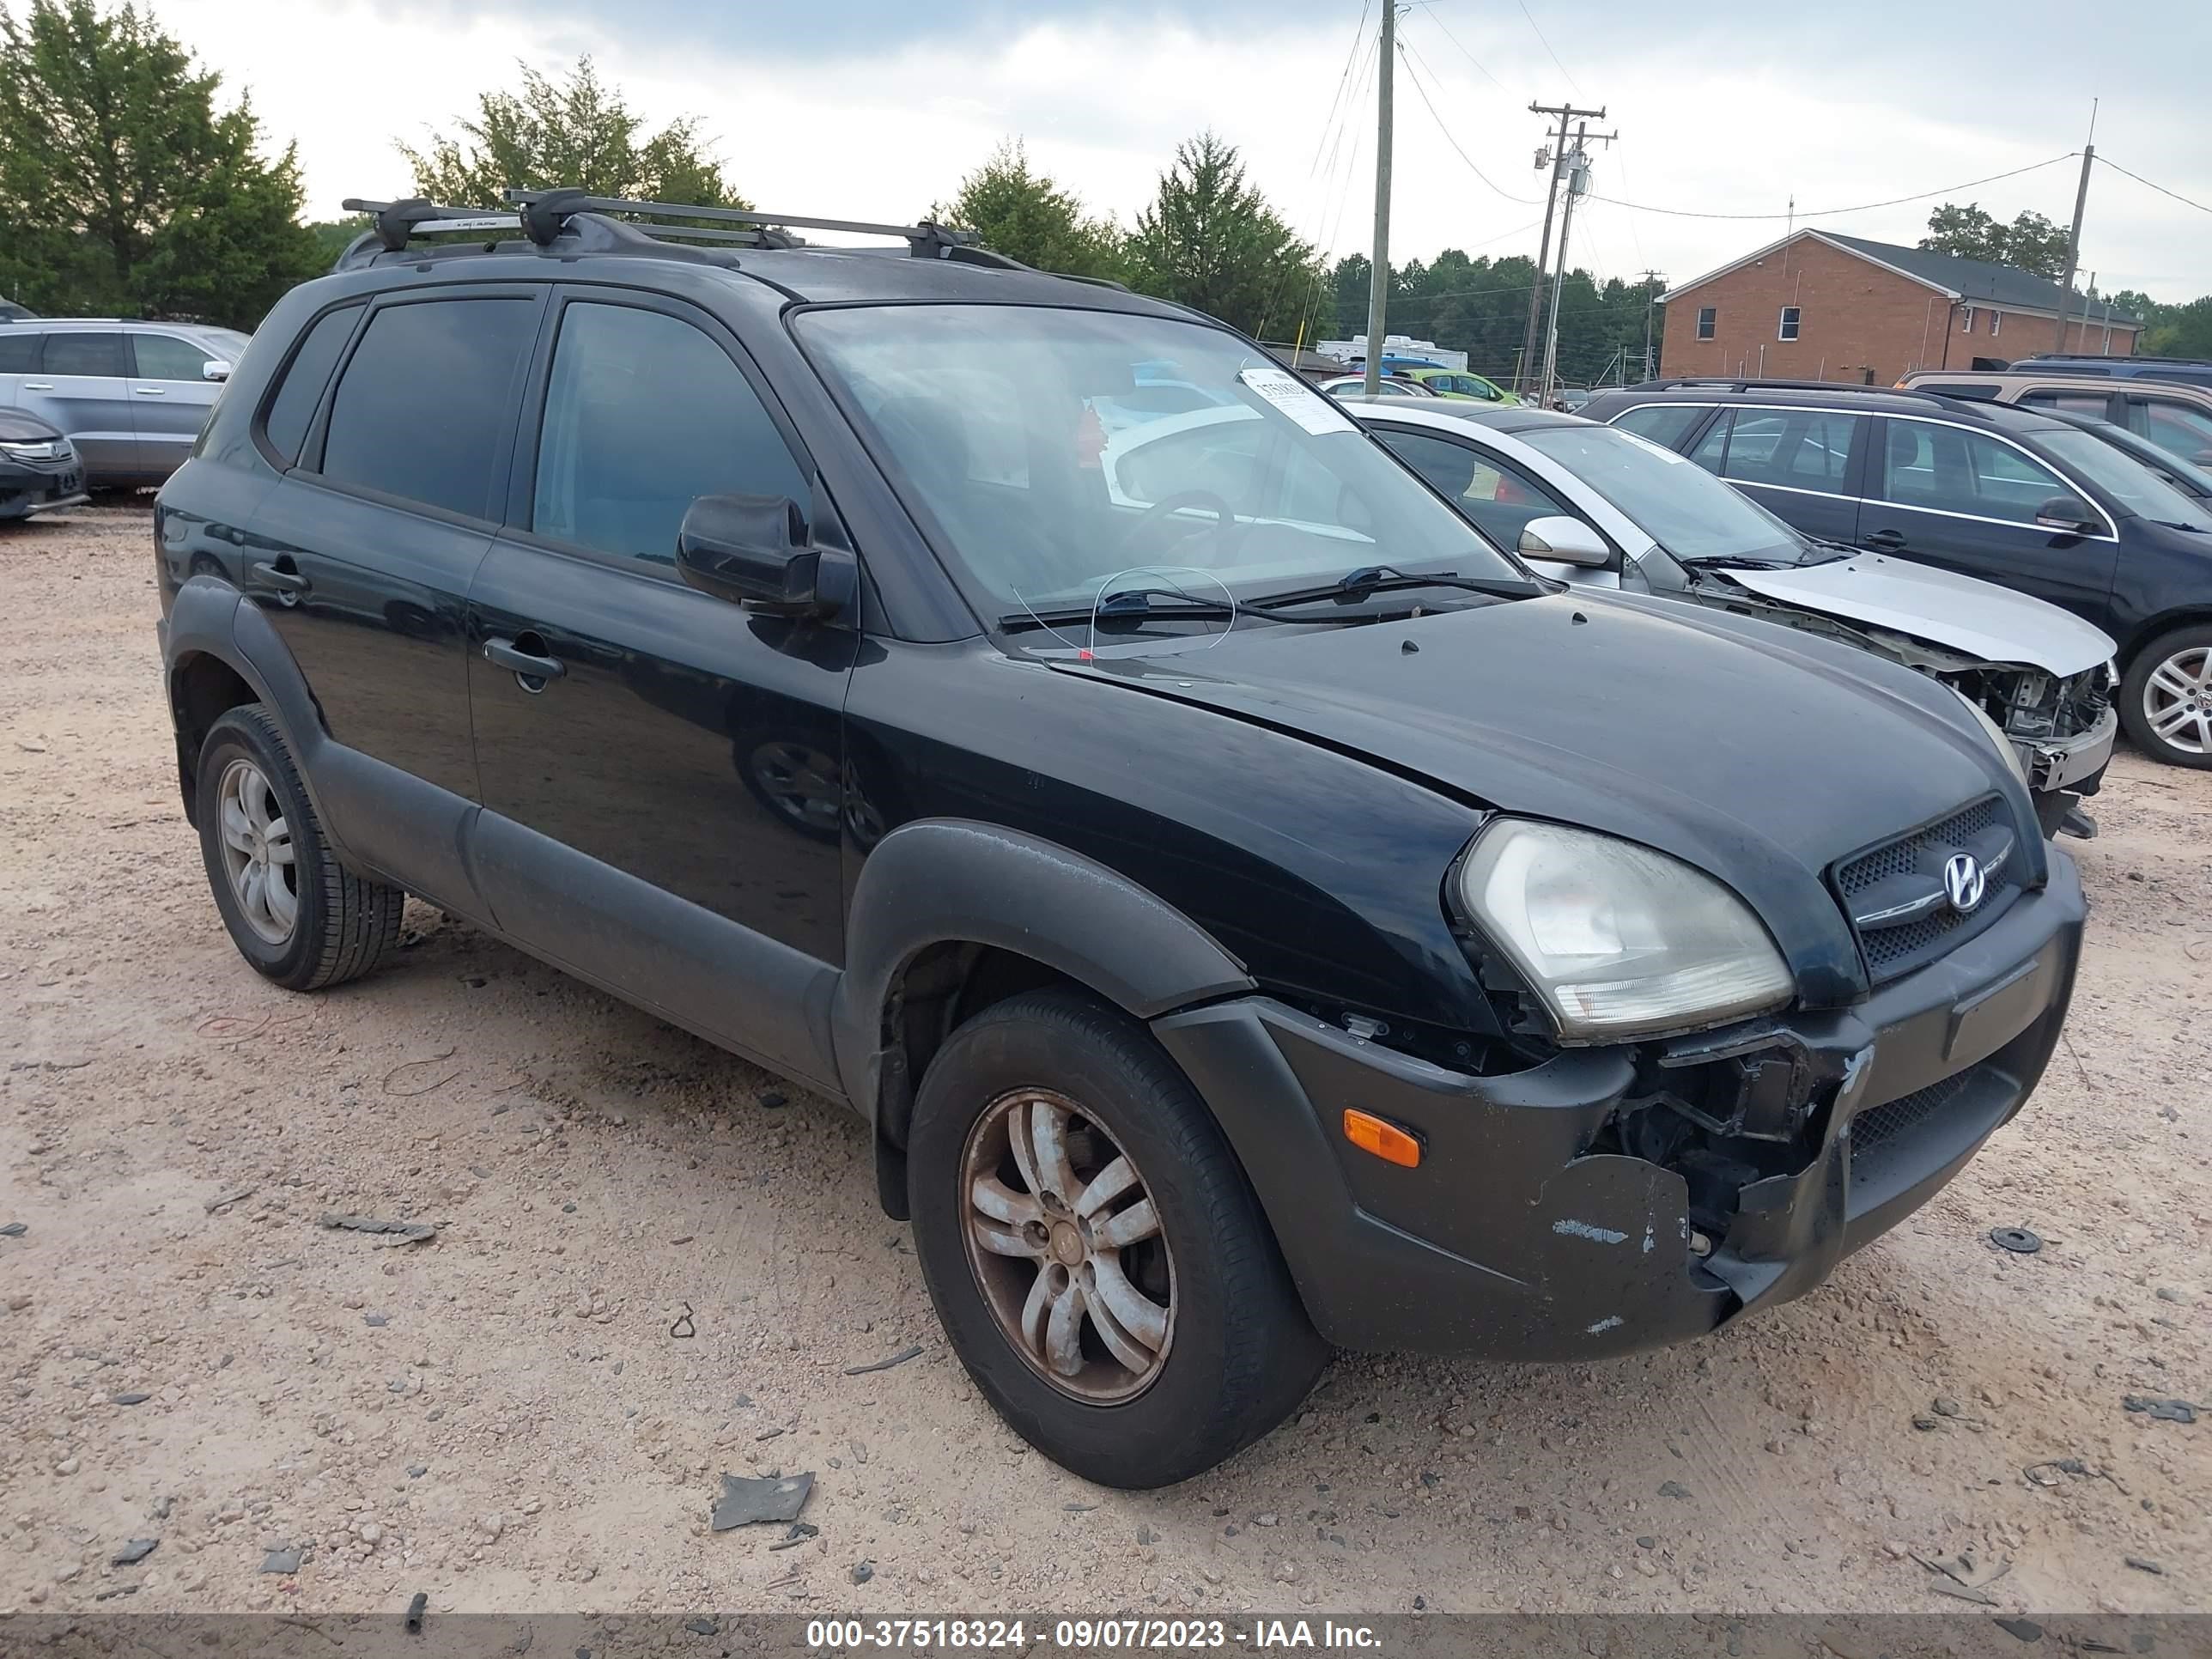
(1619, 941)
(1997, 735)
(39, 449)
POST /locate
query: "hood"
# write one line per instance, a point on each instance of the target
(19, 428)
(1963, 613)
(1756, 753)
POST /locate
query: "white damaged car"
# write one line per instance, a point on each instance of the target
(1600, 507)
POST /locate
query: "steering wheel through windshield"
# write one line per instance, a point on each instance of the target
(1225, 522)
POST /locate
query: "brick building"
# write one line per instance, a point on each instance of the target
(1818, 306)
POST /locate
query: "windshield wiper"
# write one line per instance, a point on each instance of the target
(1126, 605)
(1357, 586)
(1737, 562)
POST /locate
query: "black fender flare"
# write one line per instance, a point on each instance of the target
(936, 880)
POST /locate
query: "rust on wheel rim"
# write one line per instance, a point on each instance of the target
(1067, 1247)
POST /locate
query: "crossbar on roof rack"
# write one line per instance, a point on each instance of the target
(931, 237)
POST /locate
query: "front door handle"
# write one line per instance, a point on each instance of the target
(285, 581)
(1886, 541)
(528, 666)
(149, 391)
(37, 386)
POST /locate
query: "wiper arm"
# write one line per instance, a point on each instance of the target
(1355, 587)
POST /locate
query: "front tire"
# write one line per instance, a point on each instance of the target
(1094, 1251)
(2166, 698)
(298, 915)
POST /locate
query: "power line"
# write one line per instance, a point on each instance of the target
(1410, 54)
(1863, 207)
(1330, 141)
(1430, 6)
(1554, 56)
(2160, 189)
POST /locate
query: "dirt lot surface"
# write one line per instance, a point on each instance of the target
(654, 1264)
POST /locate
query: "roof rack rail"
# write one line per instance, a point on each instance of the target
(1753, 383)
(542, 212)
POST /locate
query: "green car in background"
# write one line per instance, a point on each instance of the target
(1460, 383)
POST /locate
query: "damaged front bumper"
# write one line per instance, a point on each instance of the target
(1614, 1199)
(2054, 764)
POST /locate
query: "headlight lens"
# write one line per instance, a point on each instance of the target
(1619, 939)
(1997, 735)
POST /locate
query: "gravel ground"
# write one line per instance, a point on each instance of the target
(654, 1264)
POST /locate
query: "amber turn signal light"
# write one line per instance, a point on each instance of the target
(1386, 1140)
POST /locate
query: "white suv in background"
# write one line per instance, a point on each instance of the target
(132, 396)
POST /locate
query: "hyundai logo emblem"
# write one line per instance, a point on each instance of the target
(1963, 881)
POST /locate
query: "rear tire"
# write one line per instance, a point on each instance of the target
(297, 915)
(1188, 1342)
(2166, 698)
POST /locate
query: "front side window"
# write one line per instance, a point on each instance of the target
(644, 414)
(1499, 498)
(427, 402)
(165, 357)
(1801, 449)
(1947, 469)
(2177, 428)
(2094, 404)
(2127, 480)
(1680, 505)
(1708, 321)
(84, 353)
(992, 423)
(1787, 329)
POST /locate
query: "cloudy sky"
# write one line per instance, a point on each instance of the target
(874, 108)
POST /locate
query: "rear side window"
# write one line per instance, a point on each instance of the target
(1801, 449)
(2177, 428)
(83, 354)
(645, 414)
(1665, 424)
(426, 404)
(302, 388)
(18, 351)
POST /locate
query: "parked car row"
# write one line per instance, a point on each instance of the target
(131, 397)
(1253, 907)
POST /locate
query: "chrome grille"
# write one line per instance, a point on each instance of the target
(1895, 896)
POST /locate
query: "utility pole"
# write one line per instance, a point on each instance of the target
(1379, 289)
(2074, 236)
(1578, 183)
(1651, 281)
(1558, 147)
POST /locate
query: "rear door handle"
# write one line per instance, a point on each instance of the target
(283, 580)
(149, 391)
(37, 386)
(527, 665)
(1888, 541)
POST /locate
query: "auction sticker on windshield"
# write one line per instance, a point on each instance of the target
(1295, 399)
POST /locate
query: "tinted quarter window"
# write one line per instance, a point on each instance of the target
(428, 399)
(1950, 470)
(83, 354)
(18, 351)
(1663, 423)
(645, 415)
(2094, 404)
(302, 388)
(165, 357)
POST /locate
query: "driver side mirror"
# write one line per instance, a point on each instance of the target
(214, 369)
(1568, 541)
(2068, 514)
(751, 550)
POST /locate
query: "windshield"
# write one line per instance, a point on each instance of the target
(1680, 505)
(1033, 449)
(2126, 479)
(228, 340)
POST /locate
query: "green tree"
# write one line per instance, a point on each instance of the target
(1210, 240)
(2030, 242)
(2180, 331)
(1026, 216)
(577, 131)
(124, 190)
(333, 236)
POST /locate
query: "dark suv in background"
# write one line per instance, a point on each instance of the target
(1250, 911)
(2004, 493)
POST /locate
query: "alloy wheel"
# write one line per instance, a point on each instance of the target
(257, 853)
(2176, 701)
(1068, 1247)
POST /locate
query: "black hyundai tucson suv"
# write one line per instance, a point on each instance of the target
(2011, 496)
(1250, 911)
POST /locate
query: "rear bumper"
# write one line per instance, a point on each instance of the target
(2066, 762)
(1528, 1232)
